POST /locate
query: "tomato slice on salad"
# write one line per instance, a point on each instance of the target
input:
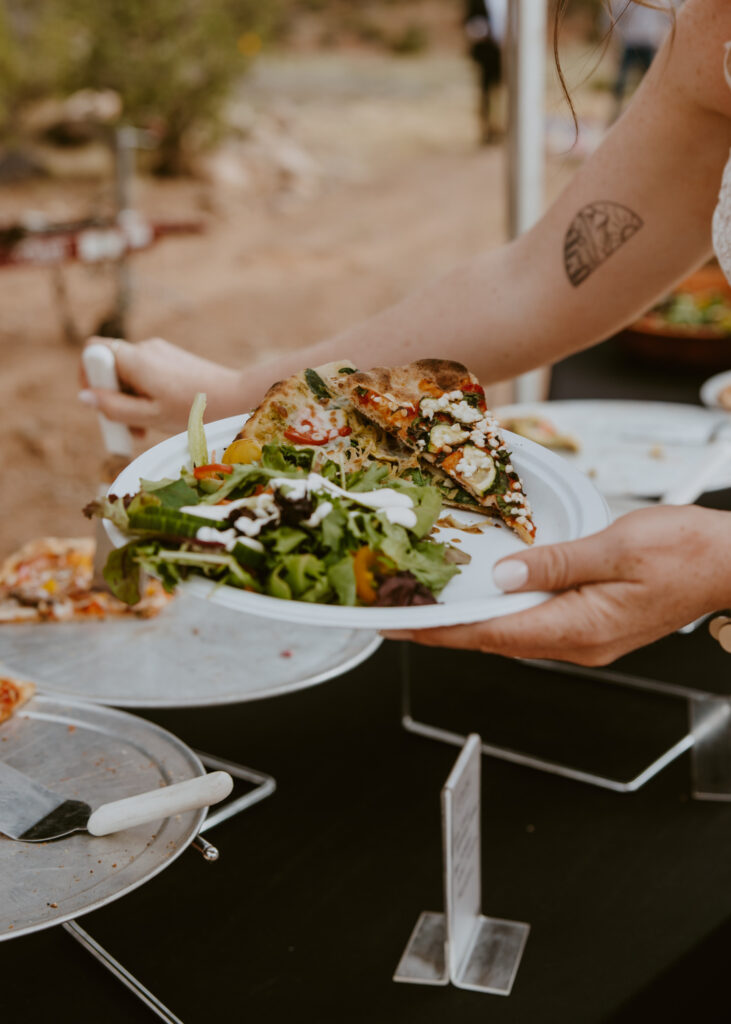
(212, 471)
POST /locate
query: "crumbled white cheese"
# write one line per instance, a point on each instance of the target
(429, 406)
(464, 412)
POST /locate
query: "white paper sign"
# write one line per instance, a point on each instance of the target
(462, 861)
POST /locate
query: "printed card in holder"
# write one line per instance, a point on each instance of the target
(462, 945)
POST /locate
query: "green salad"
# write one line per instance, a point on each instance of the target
(272, 526)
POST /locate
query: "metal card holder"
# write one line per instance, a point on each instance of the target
(461, 945)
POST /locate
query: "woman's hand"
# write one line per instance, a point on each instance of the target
(159, 382)
(648, 574)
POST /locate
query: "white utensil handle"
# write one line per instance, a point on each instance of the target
(160, 803)
(101, 371)
(698, 480)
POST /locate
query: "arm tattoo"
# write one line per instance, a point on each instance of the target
(596, 231)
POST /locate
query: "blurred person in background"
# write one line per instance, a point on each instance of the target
(639, 31)
(484, 26)
(637, 217)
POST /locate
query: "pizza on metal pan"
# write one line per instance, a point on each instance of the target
(50, 579)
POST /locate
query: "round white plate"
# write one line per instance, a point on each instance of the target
(566, 506)
(711, 389)
(631, 449)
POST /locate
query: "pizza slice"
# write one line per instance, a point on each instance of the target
(309, 410)
(436, 408)
(50, 579)
(13, 693)
(540, 430)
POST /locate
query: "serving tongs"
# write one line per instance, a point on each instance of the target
(101, 372)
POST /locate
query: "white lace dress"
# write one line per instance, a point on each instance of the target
(722, 213)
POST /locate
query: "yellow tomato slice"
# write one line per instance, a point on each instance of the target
(244, 450)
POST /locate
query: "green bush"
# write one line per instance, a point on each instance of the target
(173, 62)
(413, 39)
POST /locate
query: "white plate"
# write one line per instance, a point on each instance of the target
(711, 389)
(566, 506)
(636, 449)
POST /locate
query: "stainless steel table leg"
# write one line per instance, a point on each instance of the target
(120, 973)
(710, 723)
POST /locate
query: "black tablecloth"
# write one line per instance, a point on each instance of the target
(306, 914)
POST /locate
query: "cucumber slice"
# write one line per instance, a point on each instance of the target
(445, 434)
(478, 469)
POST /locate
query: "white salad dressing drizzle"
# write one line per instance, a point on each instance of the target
(322, 510)
(229, 538)
(397, 506)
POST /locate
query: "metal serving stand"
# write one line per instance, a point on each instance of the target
(708, 737)
(194, 654)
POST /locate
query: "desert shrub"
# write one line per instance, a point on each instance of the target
(413, 39)
(173, 62)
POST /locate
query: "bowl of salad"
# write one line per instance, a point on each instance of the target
(690, 327)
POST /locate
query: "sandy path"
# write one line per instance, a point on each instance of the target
(267, 276)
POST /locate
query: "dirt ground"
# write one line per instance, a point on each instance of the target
(352, 178)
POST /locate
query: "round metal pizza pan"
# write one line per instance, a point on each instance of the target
(94, 754)
(193, 654)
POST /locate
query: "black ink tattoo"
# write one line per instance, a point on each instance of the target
(596, 231)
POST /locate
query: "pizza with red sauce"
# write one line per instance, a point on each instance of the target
(50, 580)
(13, 693)
(308, 411)
(436, 408)
(428, 421)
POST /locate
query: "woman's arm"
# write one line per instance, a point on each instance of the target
(571, 280)
(634, 220)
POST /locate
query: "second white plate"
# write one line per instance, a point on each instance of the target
(631, 449)
(566, 506)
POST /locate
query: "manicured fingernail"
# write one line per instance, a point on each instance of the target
(88, 398)
(510, 575)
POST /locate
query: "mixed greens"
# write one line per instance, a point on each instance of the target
(262, 521)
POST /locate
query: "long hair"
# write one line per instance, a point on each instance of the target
(561, 6)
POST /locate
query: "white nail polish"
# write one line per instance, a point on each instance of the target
(88, 398)
(510, 575)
